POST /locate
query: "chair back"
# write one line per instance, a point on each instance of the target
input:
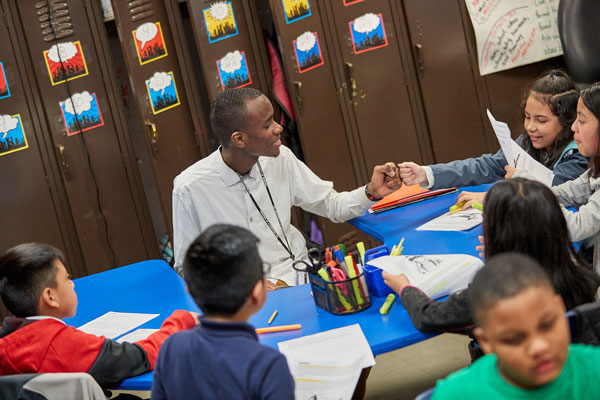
(584, 322)
(426, 395)
(51, 386)
(579, 32)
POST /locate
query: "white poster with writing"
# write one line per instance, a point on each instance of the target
(511, 33)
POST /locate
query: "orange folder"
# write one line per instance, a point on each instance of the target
(408, 195)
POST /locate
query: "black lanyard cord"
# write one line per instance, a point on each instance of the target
(262, 214)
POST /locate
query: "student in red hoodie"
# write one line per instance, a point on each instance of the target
(35, 287)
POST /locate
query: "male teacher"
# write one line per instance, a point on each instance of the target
(252, 181)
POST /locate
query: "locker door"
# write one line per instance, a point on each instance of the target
(448, 87)
(31, 197)
(309, 67)
(172, 131)
(229, 44)
(376, 78)
(67, 48)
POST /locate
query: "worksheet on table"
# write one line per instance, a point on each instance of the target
(113, 324)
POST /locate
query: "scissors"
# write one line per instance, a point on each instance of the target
(314, 263)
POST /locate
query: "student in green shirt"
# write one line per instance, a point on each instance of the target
(523, 329)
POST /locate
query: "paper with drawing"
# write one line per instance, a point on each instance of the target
(458, 221)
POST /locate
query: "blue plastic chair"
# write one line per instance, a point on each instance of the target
(426, 395)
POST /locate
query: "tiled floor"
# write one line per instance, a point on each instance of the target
(404, 373)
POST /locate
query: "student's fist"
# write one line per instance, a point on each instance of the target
(412, 174)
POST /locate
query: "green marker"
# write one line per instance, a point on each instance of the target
(385, 308)
(478, 206)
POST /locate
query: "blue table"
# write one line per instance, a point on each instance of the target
(391, 226)
(153, 287)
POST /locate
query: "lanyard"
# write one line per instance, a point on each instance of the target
(262, 214)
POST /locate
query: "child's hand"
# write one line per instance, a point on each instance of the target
(196, 317)
(482, 247)
(412, 174)
(469, 198)
(270, 285)
(510, 171)
(396, 282)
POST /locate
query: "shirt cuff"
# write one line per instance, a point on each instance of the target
(430, 178)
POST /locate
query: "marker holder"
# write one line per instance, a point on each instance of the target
(341, 297)
(373, 274)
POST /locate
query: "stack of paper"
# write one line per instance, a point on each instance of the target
(113, 324)
(327, 365)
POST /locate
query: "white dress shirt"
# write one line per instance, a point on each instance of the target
(209, 192)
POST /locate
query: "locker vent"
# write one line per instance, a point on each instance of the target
(140, 9)
(55, 19)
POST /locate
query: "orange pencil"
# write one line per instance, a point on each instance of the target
(280, 328)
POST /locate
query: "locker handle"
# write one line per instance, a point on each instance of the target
(420, 60)
(152, 136)
(351, 79)
(298, 96)
(62, 158)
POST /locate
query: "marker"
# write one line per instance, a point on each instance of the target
(272, 317)
(361, 250)
(339, 256)
(385, 308)
(352, 275)
(478, 206)
(280, 328)
(456, 208)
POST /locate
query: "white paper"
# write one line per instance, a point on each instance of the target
(458, 221)
(436, 275)
(502, 132)
(113, 324)
(327, 365)
(524, 161)
(510, 33)
(137, 335)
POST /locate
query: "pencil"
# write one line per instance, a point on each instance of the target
(272, 317)
(280, 328)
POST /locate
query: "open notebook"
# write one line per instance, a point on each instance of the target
(407, 195)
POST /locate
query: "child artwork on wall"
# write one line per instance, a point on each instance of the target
(65, 61)
(368, 33)
(12, 135)
(308, 51)
(219, 20)
(4, 90)
(81, 113)
(149, 42)
(162, 92)
(295, 10)
(233, 70)
(350, 2)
